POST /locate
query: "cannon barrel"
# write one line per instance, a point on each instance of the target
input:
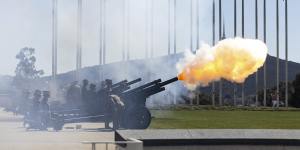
(168, 81)
(145, 86)
(158, 87)
(134, 81)
(125, 86)
(119, 83)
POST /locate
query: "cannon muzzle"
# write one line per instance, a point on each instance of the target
(168, 81)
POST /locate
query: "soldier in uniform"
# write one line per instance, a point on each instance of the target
(100, 93)
(84, 90)
(118, 107)
(73, 95)
(91, 99)
(35, 102)
(107, 102)
(25, 102)
(44, 110)
(32, 117)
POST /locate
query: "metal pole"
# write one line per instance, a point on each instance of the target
(152, 29)
(128, 29)
(256, 36)
(235, 25)
(169, 27)
(286, 56)
(54, 39)
(175, 40)
(175, 27)
(265, 65)
(101, 34)
(220, 38)
(213, 43)
(277, 52)
(101, 40)
(54, 48)
(123, 30)
(146, 29)
(191, 26)
(78, 56)
(198, 23)
(243, 35)
(104, 32)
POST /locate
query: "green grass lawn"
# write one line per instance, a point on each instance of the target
(216, 119)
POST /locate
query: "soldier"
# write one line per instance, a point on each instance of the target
(91, 99)
(118, 107)
(32, 117)
(84, 90)
(107, 102)
(101, 91)
(44, 110)
(25, 102)
(35, 102)
(73, 95)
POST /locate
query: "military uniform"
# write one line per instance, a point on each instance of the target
(118, 107)
(44, 110)
(84, 90)
(74, 95)
(107, 102)
(91, 100)
(32, 117)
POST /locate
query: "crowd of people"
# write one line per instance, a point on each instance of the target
(85, 96)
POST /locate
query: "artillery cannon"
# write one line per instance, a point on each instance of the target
(135, 115)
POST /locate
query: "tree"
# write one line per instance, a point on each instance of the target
(26, 71)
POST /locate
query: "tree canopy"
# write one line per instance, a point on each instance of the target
(26, 70)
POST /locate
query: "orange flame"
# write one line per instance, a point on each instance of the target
(231, 59)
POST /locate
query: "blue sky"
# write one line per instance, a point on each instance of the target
(28, 23)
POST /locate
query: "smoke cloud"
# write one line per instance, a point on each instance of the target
(230, 59)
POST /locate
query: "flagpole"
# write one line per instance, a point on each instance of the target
(169, 27)
(175, 46)
(277, 53)
(104, 33)
(198, 22)
(213, 43)
(54, 39)
(101, 40)
(256, 36)
(191, 26)
(235, 25)
(243, 35)
(265, 65)
(220, 38)
(79, 47)
(123, 30)
(286, 55)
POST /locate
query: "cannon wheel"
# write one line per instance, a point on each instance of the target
(137, 118)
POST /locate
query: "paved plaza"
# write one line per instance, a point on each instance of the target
(14, 137)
